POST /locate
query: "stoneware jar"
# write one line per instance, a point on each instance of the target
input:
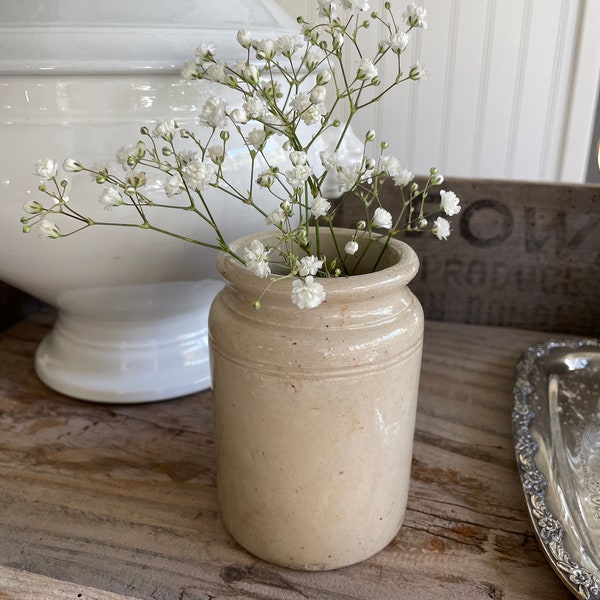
(315, 410)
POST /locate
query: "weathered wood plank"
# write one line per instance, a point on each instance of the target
(121, 499)
(20, 585)
(521, 255)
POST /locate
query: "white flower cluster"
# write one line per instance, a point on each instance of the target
(289, 90)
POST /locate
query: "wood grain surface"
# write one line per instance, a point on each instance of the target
(102, 502)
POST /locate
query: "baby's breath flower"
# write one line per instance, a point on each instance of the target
(327, 8)
(276, 217)
(111, 197)
(449, 203)
(46, 168)
(441, 228)
(135, 179)
(414, 16)
(366, 69)
(382, 218)
(319, 207)
(347, 176)
(213, 112)
(300, 102)
(189, 70)
(265, 179)
(216, 154)
(256, 259)
(288, 44)
(403, 177)
(396, 42)
(255, 107)
(205, 52)
(173, 185)
(390, 165)
(164, 130)
(199, 175)
(265, 49)
(309, 265)
(298, 175)
(215, 72)
(307, 293)
(351, 247)
(123, 154)
(329, 159)
(271, 96)
(48, 229)
(187, 156)
(256, 138)
(355, 5)
(313, 113)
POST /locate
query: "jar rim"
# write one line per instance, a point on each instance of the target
(403, 264)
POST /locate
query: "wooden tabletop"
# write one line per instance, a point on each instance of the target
(115, 501)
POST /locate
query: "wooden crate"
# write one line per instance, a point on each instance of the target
(523, 255)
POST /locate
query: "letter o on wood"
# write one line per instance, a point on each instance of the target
(503, 223)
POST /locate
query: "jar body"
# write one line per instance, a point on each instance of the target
(315, 414)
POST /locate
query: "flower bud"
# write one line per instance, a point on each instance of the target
(250, 74)
(323, 77)
(238, 115)
(361, 225)
(437, 179)
(244, 38)
(72, 166)
(224, 135)
(298, 158)
(416, 72)
(32, 207)
(317, 96)
(370, 135)
(338, 41)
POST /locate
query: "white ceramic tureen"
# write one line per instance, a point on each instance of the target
(78, 79)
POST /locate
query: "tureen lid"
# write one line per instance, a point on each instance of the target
(124, 36)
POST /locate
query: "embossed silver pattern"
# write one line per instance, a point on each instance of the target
(556, 426)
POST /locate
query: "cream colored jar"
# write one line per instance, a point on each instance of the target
(315, 411)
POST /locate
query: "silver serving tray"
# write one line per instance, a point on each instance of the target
(556, 425)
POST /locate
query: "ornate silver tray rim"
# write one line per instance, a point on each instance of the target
(551, 532)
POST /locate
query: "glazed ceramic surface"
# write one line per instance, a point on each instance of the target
(77, 80)
(315, 412)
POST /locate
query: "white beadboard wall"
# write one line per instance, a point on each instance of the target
(510, 90)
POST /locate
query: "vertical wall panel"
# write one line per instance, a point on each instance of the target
(497, 97)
